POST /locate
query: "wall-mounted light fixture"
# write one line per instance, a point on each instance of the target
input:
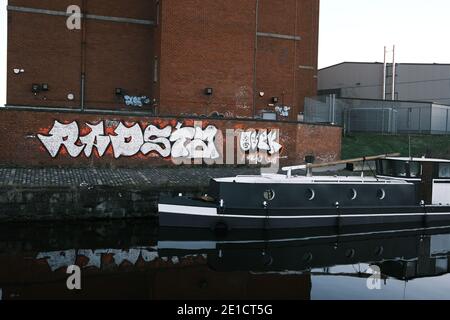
(119, 92)
(18, 71)
(209, 91)
(275, 99)
(261, 94)
(70, 97)
(310, 158)
(36, 88)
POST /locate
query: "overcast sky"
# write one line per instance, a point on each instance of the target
(356, 30)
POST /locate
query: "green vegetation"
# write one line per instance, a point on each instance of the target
(359, 145)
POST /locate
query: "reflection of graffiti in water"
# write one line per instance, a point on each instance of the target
(102, 258)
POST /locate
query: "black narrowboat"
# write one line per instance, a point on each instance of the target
(402, 190)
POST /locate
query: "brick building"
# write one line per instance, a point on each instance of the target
(169, 51)
(97, 80)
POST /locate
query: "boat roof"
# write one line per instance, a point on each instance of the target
(418, 159)
(283, 179)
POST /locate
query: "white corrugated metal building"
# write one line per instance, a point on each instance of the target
(413, 81)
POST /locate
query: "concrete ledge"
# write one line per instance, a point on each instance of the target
(98, 194)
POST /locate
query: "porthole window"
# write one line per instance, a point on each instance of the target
(307, 257)
(269, 195)
(381, 194)
(267, 260)
(353, 194)
(310, 194)
(350, 253)
(379, 251)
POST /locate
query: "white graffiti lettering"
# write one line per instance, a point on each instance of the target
(97, 139)
(206, 139)
(154, 138)
(262, 141)
(283, 111)
(62, 135)
(128, 141)
(183, 142)
(272, 137)
(180, 138)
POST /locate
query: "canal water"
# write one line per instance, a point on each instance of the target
(136, 260)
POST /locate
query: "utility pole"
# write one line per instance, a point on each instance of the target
(384, 74)
(394, 71)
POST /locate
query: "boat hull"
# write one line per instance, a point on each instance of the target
(187, 213)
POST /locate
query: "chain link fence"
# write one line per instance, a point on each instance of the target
(379, 116)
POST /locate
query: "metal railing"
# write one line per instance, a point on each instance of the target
(379, 116)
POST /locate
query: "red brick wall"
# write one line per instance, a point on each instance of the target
(199, 44)
(47, 57)
(22, 127)
(207, 44)
(116, 55)
(219, 39)
(281, 64)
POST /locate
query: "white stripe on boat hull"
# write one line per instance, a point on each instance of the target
(212, 212)
(198, 211)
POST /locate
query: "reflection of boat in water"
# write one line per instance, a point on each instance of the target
(400, 253)
(403, 190)
(127, 260)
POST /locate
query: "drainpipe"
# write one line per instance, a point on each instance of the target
(296, 100)
(394, 71)
(83, 56)
(255, 56)
(384, 75)
(82, 91)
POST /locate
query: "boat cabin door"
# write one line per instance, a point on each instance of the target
(441, 184)
(426, 185)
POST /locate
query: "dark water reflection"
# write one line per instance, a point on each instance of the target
(136, 260)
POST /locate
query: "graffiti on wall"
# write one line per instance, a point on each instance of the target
(134, 101)
(262, 140)
(119, 139)
(179, 142)
(261, 146)
(283, 111)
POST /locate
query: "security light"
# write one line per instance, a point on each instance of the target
(120, 92)
(209, 91)
(35, 88)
